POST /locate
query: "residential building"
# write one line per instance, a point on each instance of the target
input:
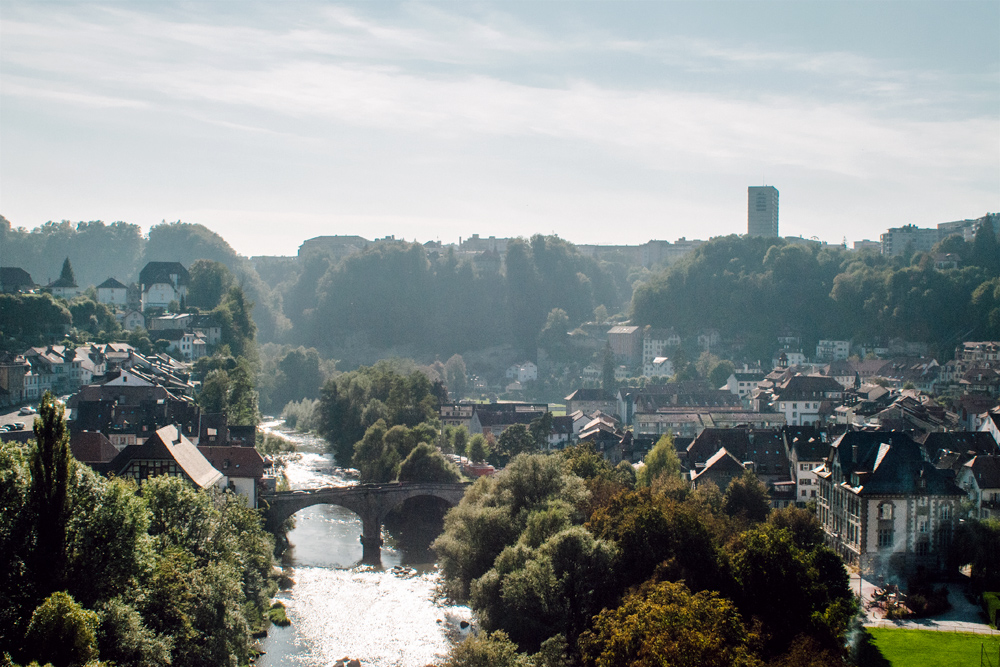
(807, 399)
(909, 238)
(163, 282)
(721, 469)
(131, 319)
(806, 447)
(883, 506)
(166, 452)
(743, 383)
(113, 293)
(523, 372)
(13, 369)
(242, 469)
(658, 367)
(833, 350)
(15, 279)
(64, 288)
(590, 400)
(762, 211)
(980, 478)
(658, 343)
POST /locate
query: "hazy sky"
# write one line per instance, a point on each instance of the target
(603, 122)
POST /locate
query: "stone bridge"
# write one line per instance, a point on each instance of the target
(371, 502)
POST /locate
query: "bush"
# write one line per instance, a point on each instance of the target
(991, 604)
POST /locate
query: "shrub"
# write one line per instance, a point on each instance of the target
(991, 604)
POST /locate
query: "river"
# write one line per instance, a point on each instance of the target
(340, 608)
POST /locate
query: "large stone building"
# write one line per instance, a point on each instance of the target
(762, 211)
(883, 506)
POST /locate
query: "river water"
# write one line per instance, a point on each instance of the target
(340, 608)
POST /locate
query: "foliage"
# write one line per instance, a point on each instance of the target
(209, 282)
(756, 287)
(231, 391)
(976, 543)
(61, 632)
(302, 416)
(515, 439)
(171, 575)
(991, 605)
(660, 461)
(537, 592)
(664, 624)
(393, 391)
(28, 320)
(494, 513)
(425, 463)
(492, 649)
(51, 469)
(654, 532)
(478, 449)
(746, 499)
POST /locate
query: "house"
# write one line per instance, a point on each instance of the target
(13, 369)
(884, 507)
(242, 469)
(657, 342)
(561, 434)
(131, 319)
(492, 418)
(658, 367)
(456, 414)
(833, 350)
(15, 279)
(166, 452)
(525, 372)
(720, 469)
(590, 400)
(980, 478)
(63, 288)
(113, 293)
(806, 399)
(163, 282)
(708, 339)
(788, 357)
(743, 383)
(93, 448)
(806, 447)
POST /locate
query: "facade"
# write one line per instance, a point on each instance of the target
(657, 342)
(15, 279)
(113, 293)
(898, 240)
(883, 506)
(980, 478)
(626, 343)
(658, 367)
(743, 383)
(64, 288)
(762, 211)
(166, 452)
(590, 400)
(163, 282)
(833, 350)
(806, 399)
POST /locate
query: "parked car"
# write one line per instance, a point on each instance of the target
(18, 426)
(26, 410)
(7, 427)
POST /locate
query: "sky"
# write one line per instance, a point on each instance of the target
(601, 122)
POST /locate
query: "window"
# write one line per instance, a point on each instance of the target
(885, 511)
(812, 494)
(804, 493)
(922, 525)
(885, 537)
(946, 513)
(923, 548)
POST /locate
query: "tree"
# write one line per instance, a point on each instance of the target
(426, 464)
(209, 282)
(455, 376)
(608, 383)
(66, 275)
(515, 439)
(661, 460)
(51, 469)
(61, 632)
(460, 440)
(488, 649)
(746, 499)
(664, 624)
(478, 450)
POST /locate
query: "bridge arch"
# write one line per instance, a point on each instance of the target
(371, 502)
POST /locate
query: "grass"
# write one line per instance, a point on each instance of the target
(932, 648)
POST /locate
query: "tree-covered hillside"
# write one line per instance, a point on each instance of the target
(756, 288)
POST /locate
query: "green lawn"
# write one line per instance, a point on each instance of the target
(930, 648)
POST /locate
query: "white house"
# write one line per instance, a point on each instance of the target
(658, 367)
(523, 372)
(833, 350)
(163, 282)
(980, 478)
(112, 293)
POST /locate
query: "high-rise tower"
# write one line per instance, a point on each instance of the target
(762, 211)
